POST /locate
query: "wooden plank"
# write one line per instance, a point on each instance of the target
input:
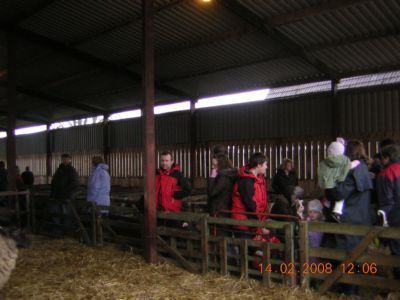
(204, 245)
(354, 254)
(304, 253)
(266, 261)
(182, 216)
(339, 254)
(11, 193)
(223, 256)
(78, 220)
(289, 252)
(175, 254)
(251, 223)
(244, 263)
(179, 233)
(251, 243)
(365, 280)
(350, 229)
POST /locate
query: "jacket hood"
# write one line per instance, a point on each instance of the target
(245, 173)
(102, 166)
(336, 161)
(175, 167)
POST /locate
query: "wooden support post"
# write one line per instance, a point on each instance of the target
(49, 152)
(33, 218)
(223, 256)
(354, 254)
(11, 110)
(17, 209)
(204, 245)
(99, 226)
(304, 254)
(149, 164)
(289, 251)
(335, 110)
(28, 210)
(266, 262)
(244, 261)
(193, 140)
(94, 223)
(106, 144)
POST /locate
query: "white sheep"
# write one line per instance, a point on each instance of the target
(10, 240)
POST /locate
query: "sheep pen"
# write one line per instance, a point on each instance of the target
(65, 269)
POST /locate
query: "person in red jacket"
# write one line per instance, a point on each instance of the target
(250, 193)
(171, 185)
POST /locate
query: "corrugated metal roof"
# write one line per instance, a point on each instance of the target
(217, 51)
(251, 76)
(358, 20)
(361, 56)
(268, 9)
(238, 51)
(72, 20)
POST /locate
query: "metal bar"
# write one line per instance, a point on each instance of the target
(204, 245)
(244, 262)
(149, 133)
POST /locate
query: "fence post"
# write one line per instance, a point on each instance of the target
(289, 252)
(28, 210)
(94, 223)
(223, 252)
(304, 254)
(266, 261)
(244, 261)
(204, 244)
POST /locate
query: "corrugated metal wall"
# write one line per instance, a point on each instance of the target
(76, 139)
(299, 128)
(305, 116)
(125, 134)
(365, 112)
(31, 144)
(171, 129)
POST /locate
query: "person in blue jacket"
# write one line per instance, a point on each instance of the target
(99, 183)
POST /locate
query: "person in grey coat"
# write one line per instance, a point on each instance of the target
(99, 183)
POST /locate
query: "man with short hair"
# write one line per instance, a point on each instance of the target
(64, 186)
(65, 182)
(171, 185)
(250, 191)
(27, 177)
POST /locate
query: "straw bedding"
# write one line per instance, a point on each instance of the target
(65, 269)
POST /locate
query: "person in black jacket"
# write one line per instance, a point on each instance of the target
(220, 184)
(64, 186)
(284, 179)
(27, 177)
(65, 182)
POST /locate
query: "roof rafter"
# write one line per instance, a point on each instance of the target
(249, 17)
(324, 7)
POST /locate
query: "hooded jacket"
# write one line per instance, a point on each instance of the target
(99, 185)
(333, 169)
(249, 195)
(388, 187)
(65, 182)
(171, 187)
(220, 189)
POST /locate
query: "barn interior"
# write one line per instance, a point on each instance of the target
(129, 79)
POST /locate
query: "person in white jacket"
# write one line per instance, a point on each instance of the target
(99, 183)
